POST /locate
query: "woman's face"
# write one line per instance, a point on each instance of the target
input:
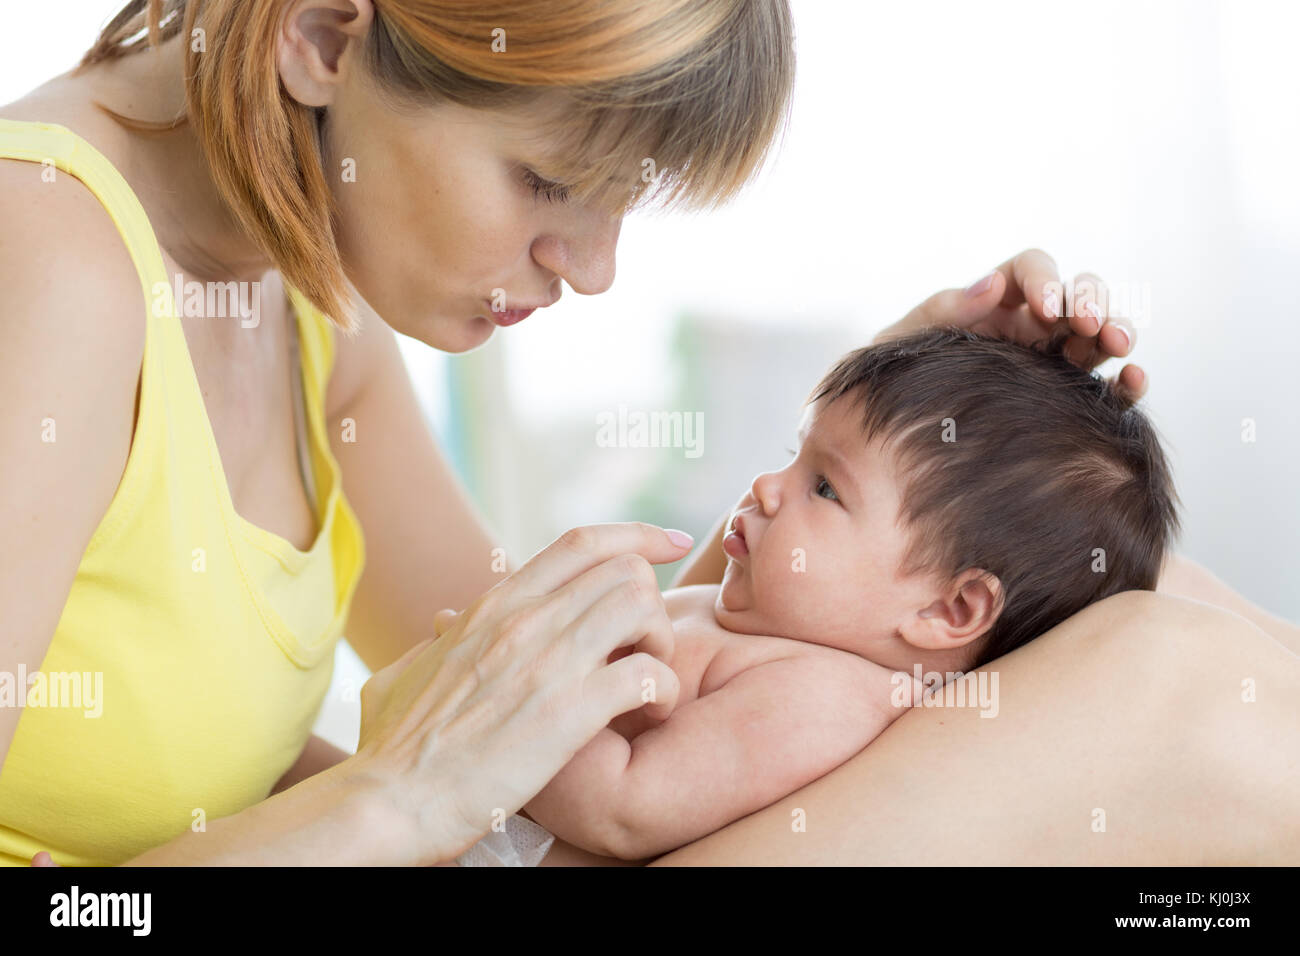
(439, 221)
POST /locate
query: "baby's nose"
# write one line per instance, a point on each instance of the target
(764, 490)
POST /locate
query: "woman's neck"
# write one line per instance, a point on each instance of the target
(168, 170)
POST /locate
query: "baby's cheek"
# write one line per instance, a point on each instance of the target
(798, 591)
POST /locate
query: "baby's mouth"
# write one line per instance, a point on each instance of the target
(734, 543)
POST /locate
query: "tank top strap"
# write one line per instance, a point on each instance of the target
(50, 144)
(316, 341)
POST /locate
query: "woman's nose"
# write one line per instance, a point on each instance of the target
(583, 256)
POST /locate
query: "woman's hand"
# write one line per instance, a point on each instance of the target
(471, 724)
(443, 620)
(1022, 300)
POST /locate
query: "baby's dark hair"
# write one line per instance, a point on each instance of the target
(1012, 459)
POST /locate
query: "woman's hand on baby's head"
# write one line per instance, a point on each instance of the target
(1022, 300)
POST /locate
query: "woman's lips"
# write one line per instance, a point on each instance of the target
(510, 316)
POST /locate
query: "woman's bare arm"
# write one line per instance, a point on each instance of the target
(427, 547)
(329, 819)
(68, 373)
(1146, 729)
(318, 754)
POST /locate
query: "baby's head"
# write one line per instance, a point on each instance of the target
(953, 497)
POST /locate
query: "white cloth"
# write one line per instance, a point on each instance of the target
(521, 843)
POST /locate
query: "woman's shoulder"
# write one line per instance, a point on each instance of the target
(64, 266)
(74, 322)
(58, 234)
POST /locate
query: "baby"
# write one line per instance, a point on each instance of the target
(952, 498)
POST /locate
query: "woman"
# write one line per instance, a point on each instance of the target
(189, 510)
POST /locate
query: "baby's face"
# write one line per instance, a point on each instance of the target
(822, 543)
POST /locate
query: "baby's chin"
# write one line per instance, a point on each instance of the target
(738, 609)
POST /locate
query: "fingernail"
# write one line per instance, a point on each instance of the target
(980, 286)
(1051, 306)
(1128, 336)
(679, 538)
(1094, 312)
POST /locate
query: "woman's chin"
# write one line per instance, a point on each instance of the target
(453, 335)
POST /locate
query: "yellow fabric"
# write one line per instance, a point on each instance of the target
(214, 662)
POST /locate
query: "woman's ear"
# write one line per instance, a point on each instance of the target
(967, 610)
(314, 36)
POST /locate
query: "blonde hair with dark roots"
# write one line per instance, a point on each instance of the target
(700, 87)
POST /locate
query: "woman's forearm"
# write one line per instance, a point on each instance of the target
(327, 820)
(1183, 577)
(317, 755)
(1125, 736)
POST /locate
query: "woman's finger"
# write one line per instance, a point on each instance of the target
(43, 859)
(1117, 337)
(638, 680)
(1032, 277)
(961, 307)
(582, 549)
(1089, 304)
(1081, 350)
(612, 605)
(1131, 382)
(618, 605)
(443, 620)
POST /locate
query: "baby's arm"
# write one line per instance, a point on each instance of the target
(765, 733)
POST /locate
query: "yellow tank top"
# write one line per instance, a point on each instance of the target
(205, 643)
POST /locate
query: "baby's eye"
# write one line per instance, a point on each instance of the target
(823, 483)
(792, 452)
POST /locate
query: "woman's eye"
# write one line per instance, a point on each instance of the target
(544, 189)
(793, 453)
(823, 483)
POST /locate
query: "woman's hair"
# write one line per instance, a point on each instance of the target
(1014, 460)
(699, 87)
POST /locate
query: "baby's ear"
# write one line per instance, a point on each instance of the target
(968, 609)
